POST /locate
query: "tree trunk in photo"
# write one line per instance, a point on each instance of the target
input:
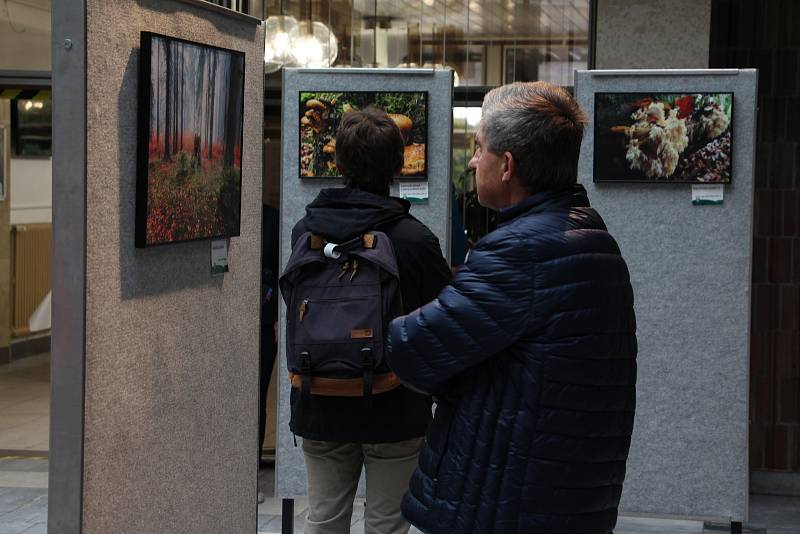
(212, 100)
(158, 92)
(181, 87)
(232, 114)
(198, 110)
(167, 99)
(174, 90)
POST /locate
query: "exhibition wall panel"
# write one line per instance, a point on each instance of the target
(169, 422)
(297, 192)
(690, 269)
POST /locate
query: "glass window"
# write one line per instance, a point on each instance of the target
(31, 124)
(471, 218)
(487, 43)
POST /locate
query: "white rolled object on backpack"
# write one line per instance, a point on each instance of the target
(330, 252)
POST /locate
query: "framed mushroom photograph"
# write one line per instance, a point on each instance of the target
(320, 113)
(663, 137)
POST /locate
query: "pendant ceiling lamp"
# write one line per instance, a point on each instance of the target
(313, 43)
(278, 43)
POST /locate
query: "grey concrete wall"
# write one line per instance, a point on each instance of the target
(171, 357)
(296, 193)
(690, 269)
(653, 34)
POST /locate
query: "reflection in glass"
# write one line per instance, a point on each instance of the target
(32, 126)
(277, 45)
(476, 220)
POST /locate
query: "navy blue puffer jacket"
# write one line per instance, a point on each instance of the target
(531, 352)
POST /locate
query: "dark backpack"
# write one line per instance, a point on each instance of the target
(340, 299)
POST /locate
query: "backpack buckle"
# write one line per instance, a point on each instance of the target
(367, 361)
(305, 366)
(368, 364)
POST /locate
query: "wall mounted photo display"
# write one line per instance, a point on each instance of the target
(189, 165)
(321, 112)
(664, 137)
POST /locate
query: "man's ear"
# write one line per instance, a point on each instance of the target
(509, 167)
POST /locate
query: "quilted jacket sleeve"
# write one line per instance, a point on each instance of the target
(485, 309)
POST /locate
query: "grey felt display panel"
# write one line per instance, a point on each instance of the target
(690, 269)
(296, 193)
(171, 389)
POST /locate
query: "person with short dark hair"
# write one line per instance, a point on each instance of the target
(341, 435)
(369, 150)
(530, 352)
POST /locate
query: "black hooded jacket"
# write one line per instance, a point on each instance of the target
(339, 214)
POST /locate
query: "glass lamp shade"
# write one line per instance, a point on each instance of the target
(313, 45)
(278, 44)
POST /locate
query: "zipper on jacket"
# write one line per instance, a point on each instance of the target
(435, 481)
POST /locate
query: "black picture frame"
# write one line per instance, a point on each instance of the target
(599, 150)
(416, 178)
(144, 104)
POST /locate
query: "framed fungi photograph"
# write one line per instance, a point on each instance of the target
(189, 165)
(663, 137)
(320, 113)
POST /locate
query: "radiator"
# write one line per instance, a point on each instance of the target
(30, 276)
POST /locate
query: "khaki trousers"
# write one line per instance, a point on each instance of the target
(333, 471)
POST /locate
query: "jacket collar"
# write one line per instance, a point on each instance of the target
(543, 201)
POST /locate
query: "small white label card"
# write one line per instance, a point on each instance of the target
(219, 257)
(414, 192)
(707, 194)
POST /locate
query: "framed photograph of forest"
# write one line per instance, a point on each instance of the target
(189, 165)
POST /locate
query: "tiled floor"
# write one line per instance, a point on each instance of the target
(769, 515)
(23, 495)
(25, 404)
(23, 508)
(24, 409)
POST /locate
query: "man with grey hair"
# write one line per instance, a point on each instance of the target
(530, 352)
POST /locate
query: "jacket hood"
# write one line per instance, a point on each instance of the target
(342, 213)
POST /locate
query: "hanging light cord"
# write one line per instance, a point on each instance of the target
(444, 37)
(375, 34)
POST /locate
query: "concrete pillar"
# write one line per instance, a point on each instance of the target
(653, 34)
